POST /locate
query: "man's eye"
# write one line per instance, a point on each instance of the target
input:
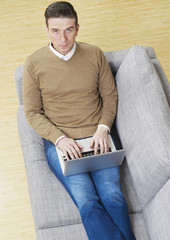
(68, 30)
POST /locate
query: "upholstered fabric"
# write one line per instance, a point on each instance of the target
(143, 122)
(18, 81)
(128, 190)
(67, 232)
(115, 58)
(157, 214)
(162, 76)
(140, 227)
(53, 206)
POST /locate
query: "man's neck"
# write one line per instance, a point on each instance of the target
(61, 56)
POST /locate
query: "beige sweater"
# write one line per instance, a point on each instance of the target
(68, 97)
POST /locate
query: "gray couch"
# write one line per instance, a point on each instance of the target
(142, 126)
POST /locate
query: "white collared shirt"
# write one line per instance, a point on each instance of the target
(61, 56)
(66, 58)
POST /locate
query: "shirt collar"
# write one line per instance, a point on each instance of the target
(61, 56)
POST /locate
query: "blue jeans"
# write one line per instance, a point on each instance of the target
(98, 197)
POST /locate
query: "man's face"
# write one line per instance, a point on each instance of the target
(62, 33)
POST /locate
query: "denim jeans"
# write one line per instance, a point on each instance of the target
(98, 197)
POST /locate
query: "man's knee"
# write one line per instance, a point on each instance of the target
(90, 207)
(114, 199)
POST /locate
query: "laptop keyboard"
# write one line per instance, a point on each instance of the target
(87, 154)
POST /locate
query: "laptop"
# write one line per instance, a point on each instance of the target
(90, 162)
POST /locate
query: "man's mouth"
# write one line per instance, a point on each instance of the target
(63, 46)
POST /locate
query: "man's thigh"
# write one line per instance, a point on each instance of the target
(107, 181)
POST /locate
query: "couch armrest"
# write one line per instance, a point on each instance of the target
(143, 123)
(18, 82)
(27, 134)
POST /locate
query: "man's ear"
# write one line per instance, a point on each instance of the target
(77, 28)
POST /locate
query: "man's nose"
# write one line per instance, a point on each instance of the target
(63, 37)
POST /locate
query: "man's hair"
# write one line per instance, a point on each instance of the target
(60, 9)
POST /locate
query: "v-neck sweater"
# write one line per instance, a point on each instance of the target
(68, 97)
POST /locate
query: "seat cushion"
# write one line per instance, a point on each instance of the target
(143, 123)
(69, 232)
(51, 204)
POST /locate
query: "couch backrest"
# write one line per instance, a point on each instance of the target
(115, 58)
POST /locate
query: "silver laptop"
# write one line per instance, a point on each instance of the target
(89, 161)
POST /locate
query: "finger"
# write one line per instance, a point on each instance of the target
(92, 143)
(96, 146)
(101, 147)
(106, 146)
(66, 155)
(78, 151)
(71, 154)
(75, 151)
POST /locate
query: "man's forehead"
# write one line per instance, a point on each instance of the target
(61, 22)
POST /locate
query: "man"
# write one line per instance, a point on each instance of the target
(69, 92)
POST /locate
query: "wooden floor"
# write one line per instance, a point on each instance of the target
(111, 25)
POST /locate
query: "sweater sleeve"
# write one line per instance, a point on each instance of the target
(33, 106)
(108, 92)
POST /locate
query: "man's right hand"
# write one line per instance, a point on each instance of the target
(70, 148)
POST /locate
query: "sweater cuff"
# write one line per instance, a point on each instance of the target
(58, 139)
(103, 125)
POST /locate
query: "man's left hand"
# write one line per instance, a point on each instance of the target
(100, 140)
